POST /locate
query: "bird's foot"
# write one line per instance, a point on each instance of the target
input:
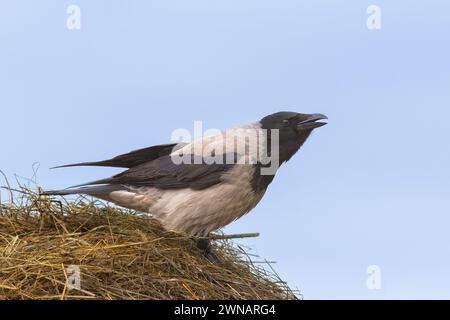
(205, 246)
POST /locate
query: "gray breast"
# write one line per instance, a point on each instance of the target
(197, 212)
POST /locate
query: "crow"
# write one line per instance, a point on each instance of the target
(203, 185)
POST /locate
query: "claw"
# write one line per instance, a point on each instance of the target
(205, 246)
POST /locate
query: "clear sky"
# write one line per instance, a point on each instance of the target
(370, 188)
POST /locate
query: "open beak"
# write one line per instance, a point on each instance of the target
(313, 121)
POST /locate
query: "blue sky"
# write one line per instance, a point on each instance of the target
(370, 188)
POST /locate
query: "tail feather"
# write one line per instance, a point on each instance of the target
(92, 191)
(58, 192)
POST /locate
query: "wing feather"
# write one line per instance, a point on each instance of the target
(133, 158)
(163, 173)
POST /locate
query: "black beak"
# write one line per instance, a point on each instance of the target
(313, 121)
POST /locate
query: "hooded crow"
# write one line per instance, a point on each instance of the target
(201, 186)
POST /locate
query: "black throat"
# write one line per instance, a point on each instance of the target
(289, 143)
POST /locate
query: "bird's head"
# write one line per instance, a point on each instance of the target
(293, 129)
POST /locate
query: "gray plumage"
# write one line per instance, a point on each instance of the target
(195, 198)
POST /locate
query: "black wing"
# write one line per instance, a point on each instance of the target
(163, 173)
(133, 158)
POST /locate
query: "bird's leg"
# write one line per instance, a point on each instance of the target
(205, 246)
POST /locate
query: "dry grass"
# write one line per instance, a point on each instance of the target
(120, 255)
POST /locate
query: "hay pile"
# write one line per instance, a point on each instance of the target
(119, 255)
